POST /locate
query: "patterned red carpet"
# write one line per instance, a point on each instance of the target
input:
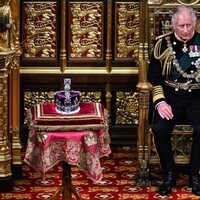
(118, 183)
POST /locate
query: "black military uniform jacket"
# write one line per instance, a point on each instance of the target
(174, 61)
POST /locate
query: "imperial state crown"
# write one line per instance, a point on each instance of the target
(67, 100)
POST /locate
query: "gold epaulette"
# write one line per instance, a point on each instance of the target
(164, 35)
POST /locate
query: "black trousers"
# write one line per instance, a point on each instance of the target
(185, 106)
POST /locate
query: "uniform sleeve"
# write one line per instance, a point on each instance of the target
(156, 78)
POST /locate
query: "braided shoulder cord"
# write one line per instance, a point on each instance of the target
(166, 66)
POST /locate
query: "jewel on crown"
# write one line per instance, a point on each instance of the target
(67, 88)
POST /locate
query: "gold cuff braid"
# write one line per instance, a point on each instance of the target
(157, 93)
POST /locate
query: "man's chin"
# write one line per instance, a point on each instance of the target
(186, 38)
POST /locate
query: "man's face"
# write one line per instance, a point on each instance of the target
(184, 26)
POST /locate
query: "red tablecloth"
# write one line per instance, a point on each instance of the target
(80, 139)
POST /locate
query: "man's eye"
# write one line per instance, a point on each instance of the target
(187, 25)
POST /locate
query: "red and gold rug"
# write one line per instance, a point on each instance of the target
(118, 183)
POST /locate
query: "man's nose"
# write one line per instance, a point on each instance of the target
(185, 28)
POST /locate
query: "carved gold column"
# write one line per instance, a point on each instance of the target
(14, 116)
(14, 92)
(5, 142)
(63, 37)
(109, 35)
(10, 146)
(144, 91)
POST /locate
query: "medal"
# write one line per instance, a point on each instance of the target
(194, 51)
(185, 49)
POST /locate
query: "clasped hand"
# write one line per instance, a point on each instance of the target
(165, 110)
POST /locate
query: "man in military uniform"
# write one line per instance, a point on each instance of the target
(174, 72)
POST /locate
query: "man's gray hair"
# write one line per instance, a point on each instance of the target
(183, 9)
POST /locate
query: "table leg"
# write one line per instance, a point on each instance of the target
(67, 189)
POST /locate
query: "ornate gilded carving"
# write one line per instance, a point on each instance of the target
(181, 144)
(5, 15)
(5, 151)
(5, 164)
(143, 98)
(1, 108)
(127, 30)
(91, 96)
(3, 105)
(182, 141)
(31, 98)
(143, 168)
(39, 30)
(86, 30)
(160, 22)
(126, 108)
(16, 146)
(8, 23)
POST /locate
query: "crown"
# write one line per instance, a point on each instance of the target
(67, 101)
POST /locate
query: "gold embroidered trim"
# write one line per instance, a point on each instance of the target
(157, 93)
(161, 36)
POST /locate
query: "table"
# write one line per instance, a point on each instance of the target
(79, 139)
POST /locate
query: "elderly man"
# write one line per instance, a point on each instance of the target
(174, 72)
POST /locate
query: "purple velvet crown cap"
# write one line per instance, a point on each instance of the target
(67, 101)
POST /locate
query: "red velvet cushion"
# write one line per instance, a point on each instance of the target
(44, 117)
